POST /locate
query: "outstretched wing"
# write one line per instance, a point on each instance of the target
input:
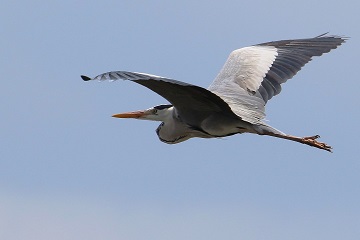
(193, 103)
(253, 75)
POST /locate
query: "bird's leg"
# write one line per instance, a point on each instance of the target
(311, 141)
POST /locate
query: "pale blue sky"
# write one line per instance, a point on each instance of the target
(70, 171)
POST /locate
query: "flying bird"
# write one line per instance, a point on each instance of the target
(235, 101)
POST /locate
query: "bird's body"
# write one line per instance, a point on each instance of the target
(174, 129)
(235, 101)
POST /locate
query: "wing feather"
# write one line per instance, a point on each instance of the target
(250, 77)
(257, 72)
(192, 102)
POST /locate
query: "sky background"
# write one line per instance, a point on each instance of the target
(70, 171)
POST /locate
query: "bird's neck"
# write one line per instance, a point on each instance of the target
(172, 130)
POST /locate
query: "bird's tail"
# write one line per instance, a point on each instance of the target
(264, 129)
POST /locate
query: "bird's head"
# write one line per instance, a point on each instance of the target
(157, 113)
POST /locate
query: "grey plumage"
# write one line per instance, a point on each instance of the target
(235, 101)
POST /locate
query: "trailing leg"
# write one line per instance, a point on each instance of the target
(311, 141)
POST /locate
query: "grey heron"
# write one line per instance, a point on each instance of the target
(235, 101)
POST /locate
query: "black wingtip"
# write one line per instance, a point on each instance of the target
(85, 78)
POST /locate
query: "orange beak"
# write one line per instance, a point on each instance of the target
(135, 114)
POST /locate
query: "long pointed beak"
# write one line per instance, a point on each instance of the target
(135, 114)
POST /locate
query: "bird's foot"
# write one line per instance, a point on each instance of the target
(311, 137)
(311, 141)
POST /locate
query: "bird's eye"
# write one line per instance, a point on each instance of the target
(155, 111)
